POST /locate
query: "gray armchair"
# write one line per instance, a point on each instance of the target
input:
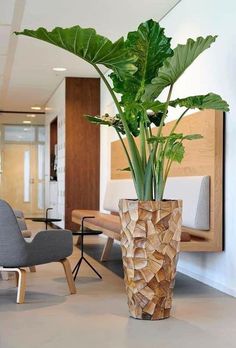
(16, 253)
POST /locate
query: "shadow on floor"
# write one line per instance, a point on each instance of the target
(184, 286)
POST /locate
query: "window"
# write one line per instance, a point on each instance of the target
(21, 134)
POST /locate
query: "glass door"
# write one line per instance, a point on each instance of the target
(22, 168)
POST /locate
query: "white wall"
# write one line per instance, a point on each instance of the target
(55, 190)
(214, 71)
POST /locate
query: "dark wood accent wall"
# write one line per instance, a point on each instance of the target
(53, 142)
(82, 163)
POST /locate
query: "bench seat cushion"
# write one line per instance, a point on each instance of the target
(108, 222)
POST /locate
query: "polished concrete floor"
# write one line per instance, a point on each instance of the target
(97, 315)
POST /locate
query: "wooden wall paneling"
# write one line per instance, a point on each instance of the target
(82, 146)
(203, 157)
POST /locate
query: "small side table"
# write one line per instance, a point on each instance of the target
(83, 233)
(45, 219)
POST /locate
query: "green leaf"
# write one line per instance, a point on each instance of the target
(107, 120)
(159, 139)
(208, 101)
(193, 137)
(127, 169)
(155, 106)
(88, 45)
(174, 67)
(97, 120)
(175, 152)
(151, 47)
(148, 177)
(171, 138)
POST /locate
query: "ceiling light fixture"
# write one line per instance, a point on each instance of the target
(47, 108)
(26, 122)
(31, 115)
(35, 108)
(59, 69)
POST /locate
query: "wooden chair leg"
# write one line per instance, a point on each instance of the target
(69, 276)
(17, 279)
(32, 269)
(107, 249)
(21, 286)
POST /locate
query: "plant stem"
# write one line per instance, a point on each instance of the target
(143, 145)
(159, 166)
(125, 149)
(178, 121)
(136, 159)
(165, 111)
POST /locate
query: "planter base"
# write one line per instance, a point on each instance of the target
(151, 233)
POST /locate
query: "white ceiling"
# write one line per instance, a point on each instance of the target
(26, 76)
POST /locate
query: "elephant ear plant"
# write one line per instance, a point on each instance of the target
(142, 66)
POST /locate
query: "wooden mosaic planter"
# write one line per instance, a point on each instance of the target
(150, 241)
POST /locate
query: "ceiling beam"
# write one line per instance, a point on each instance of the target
(22, 112)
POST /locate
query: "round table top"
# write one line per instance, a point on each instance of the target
(44, 219)
(87, 233)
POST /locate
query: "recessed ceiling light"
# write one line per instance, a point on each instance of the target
(59, 69)
(26, 122)
(31, 115)
(35, 107)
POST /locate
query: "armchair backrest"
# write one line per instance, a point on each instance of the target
(20, 219)
(12, 243)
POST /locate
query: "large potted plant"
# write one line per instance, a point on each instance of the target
(142, 66)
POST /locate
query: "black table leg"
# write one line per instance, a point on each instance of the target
(46, 221)
(77, 266)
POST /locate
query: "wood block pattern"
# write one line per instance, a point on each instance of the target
(150, 242)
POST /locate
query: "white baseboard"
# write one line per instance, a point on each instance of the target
(207, 281)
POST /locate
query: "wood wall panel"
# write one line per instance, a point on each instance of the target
(82, 146)
(203, 157)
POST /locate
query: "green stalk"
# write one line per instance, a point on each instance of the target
(129, 160)
(165, 111)
(169, 162)
(126, 151)
(142, 138)
(135, 156)
(147, 135)
(159, 175)
(148, 192)
(178, 121)
(160, 164)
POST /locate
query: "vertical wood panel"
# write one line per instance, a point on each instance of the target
(82, 146)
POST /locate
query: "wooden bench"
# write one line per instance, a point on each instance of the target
(194, 191)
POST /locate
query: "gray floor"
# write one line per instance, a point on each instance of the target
(97, 316)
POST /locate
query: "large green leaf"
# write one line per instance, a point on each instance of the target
(88, 45)
(175, 152)
(174, 66)
(106, 120)
(208, 101)
(151, 47)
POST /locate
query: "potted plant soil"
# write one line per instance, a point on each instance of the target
(142, 66)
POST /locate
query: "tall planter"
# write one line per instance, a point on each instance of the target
(150, 241)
